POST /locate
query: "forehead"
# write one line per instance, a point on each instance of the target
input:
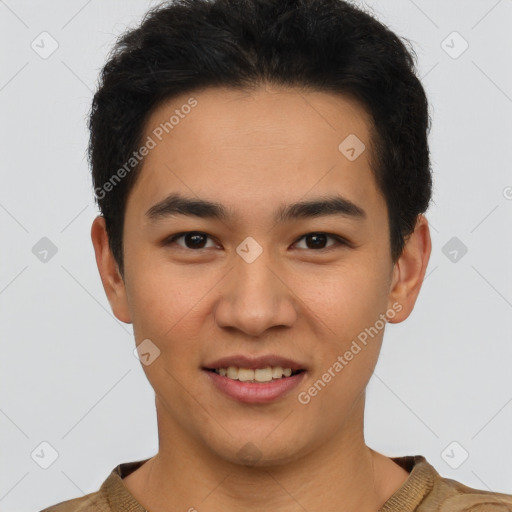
(264, 114)
(253, 147)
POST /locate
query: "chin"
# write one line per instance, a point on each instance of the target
(260, 452)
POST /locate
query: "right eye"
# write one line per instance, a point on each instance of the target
(196, 239)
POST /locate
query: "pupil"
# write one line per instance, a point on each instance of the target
(316, 236)
(196, 237)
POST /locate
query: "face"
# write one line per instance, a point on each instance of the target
(308, 290)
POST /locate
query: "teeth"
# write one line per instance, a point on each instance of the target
(245, 375)
(277, 372)
(263, 374)
(232, 372)
(258, 375)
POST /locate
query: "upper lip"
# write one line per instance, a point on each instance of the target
(241, 361)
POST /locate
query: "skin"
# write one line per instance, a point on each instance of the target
(254, 151)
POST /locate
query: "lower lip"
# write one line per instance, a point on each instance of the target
(255, 392)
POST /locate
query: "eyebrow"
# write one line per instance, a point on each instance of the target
(176, 204)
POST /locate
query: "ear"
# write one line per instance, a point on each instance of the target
(113, 283)
(409, 271)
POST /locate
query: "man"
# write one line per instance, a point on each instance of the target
(262, 171)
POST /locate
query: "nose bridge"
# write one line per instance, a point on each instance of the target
(254, 298)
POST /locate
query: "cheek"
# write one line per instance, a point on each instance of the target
(348, 308)
(161, 300)
(346, 297)
(167, 313)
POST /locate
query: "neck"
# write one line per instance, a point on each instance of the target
(340, 473)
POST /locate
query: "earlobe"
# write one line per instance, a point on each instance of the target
(113, 283)
(409, 271)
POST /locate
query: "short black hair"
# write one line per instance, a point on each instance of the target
(321, 45)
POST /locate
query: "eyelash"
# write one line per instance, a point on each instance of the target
(340, 241)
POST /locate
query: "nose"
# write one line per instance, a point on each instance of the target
(256, 297)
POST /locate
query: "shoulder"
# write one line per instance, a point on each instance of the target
(426, 490)
(449, 495)
(112, 495)
(94, 501)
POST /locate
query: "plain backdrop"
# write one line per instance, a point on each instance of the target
(70, 385)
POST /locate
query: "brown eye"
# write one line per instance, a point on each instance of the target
(317, 241)
(192, 239)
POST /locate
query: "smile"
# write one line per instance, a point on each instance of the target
(251, 390)
(266, 374)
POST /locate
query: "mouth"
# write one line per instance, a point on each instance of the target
(267, 374)
(255, 380)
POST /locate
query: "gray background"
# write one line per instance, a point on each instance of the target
(68, 376)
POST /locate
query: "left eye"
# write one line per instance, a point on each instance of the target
(197, 240)
(319, 240)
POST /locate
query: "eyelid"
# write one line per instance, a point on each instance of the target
(172, 239)
(341, 241)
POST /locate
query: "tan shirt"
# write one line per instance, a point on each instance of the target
(423, 491)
